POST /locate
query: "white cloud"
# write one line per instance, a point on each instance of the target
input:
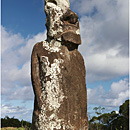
(25, 93)
(118, 93)
(16, 111)
(103, 66)
(104, 38)
(16, 57)
(87, 7)
(9, 40)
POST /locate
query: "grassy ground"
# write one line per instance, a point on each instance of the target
(12, 128)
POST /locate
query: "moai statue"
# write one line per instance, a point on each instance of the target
(58, 73)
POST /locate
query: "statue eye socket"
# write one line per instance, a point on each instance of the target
(52, 1)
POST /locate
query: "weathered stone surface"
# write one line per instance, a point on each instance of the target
(58, 73)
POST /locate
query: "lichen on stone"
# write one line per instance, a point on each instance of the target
(54, 13)
(52, 94)
(50, 47)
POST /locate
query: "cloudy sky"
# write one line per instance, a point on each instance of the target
(104, 32)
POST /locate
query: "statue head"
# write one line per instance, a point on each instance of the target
(62, 24)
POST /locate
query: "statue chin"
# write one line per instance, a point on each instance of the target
(71, 37)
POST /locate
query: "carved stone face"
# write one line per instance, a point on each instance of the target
(62, 24)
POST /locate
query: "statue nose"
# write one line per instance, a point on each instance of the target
(70, 17)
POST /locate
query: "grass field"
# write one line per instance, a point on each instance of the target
(12, 128)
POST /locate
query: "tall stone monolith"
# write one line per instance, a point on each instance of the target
(58, 73)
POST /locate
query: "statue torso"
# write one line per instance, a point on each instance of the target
(63, 89)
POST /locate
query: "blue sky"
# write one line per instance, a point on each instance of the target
(24, 17)
(104, 32)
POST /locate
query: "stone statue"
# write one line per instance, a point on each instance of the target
(58, 73)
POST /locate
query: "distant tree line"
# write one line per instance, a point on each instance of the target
(12, 122)
(105, 121)
(111, 121)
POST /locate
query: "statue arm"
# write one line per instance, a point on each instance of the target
(35, 77)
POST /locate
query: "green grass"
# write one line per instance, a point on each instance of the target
(13, 128)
